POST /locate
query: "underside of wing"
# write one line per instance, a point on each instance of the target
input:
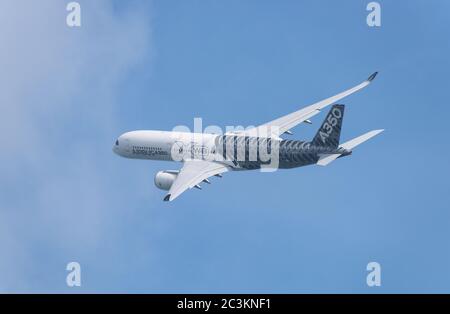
(281, 125)
(192, 173)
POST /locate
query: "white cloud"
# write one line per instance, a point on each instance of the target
(57, 100)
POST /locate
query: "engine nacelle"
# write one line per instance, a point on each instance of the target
(165, 179)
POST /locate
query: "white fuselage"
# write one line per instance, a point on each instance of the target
(166, 145)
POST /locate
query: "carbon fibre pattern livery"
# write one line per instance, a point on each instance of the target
(291, 153)
(253, 152)
(330, 131)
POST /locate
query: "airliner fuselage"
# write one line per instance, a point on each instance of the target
(231, 150)
(205, 155)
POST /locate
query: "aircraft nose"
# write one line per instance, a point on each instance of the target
(115, 147)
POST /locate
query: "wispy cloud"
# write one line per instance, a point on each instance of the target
(58, 91)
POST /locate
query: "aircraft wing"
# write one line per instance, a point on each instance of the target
(279, 126)
(192, 173)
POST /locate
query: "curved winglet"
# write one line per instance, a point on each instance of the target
(372, 77)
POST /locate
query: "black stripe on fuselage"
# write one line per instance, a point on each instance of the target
(291, 153)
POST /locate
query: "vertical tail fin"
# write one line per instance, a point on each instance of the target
(330, 131)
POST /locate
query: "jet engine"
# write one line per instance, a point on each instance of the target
(164, 179)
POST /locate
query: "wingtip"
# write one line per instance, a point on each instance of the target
(376, 132)
(167, 198)
(372, 76)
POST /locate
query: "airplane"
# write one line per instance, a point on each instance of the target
(205, 155)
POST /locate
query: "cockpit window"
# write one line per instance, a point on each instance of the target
(117, 142)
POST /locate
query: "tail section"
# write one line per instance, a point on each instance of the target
(330, 131)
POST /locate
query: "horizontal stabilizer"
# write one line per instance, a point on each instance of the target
(327, 158)
(360, 139)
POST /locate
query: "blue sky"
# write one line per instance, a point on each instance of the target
(69, 92)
